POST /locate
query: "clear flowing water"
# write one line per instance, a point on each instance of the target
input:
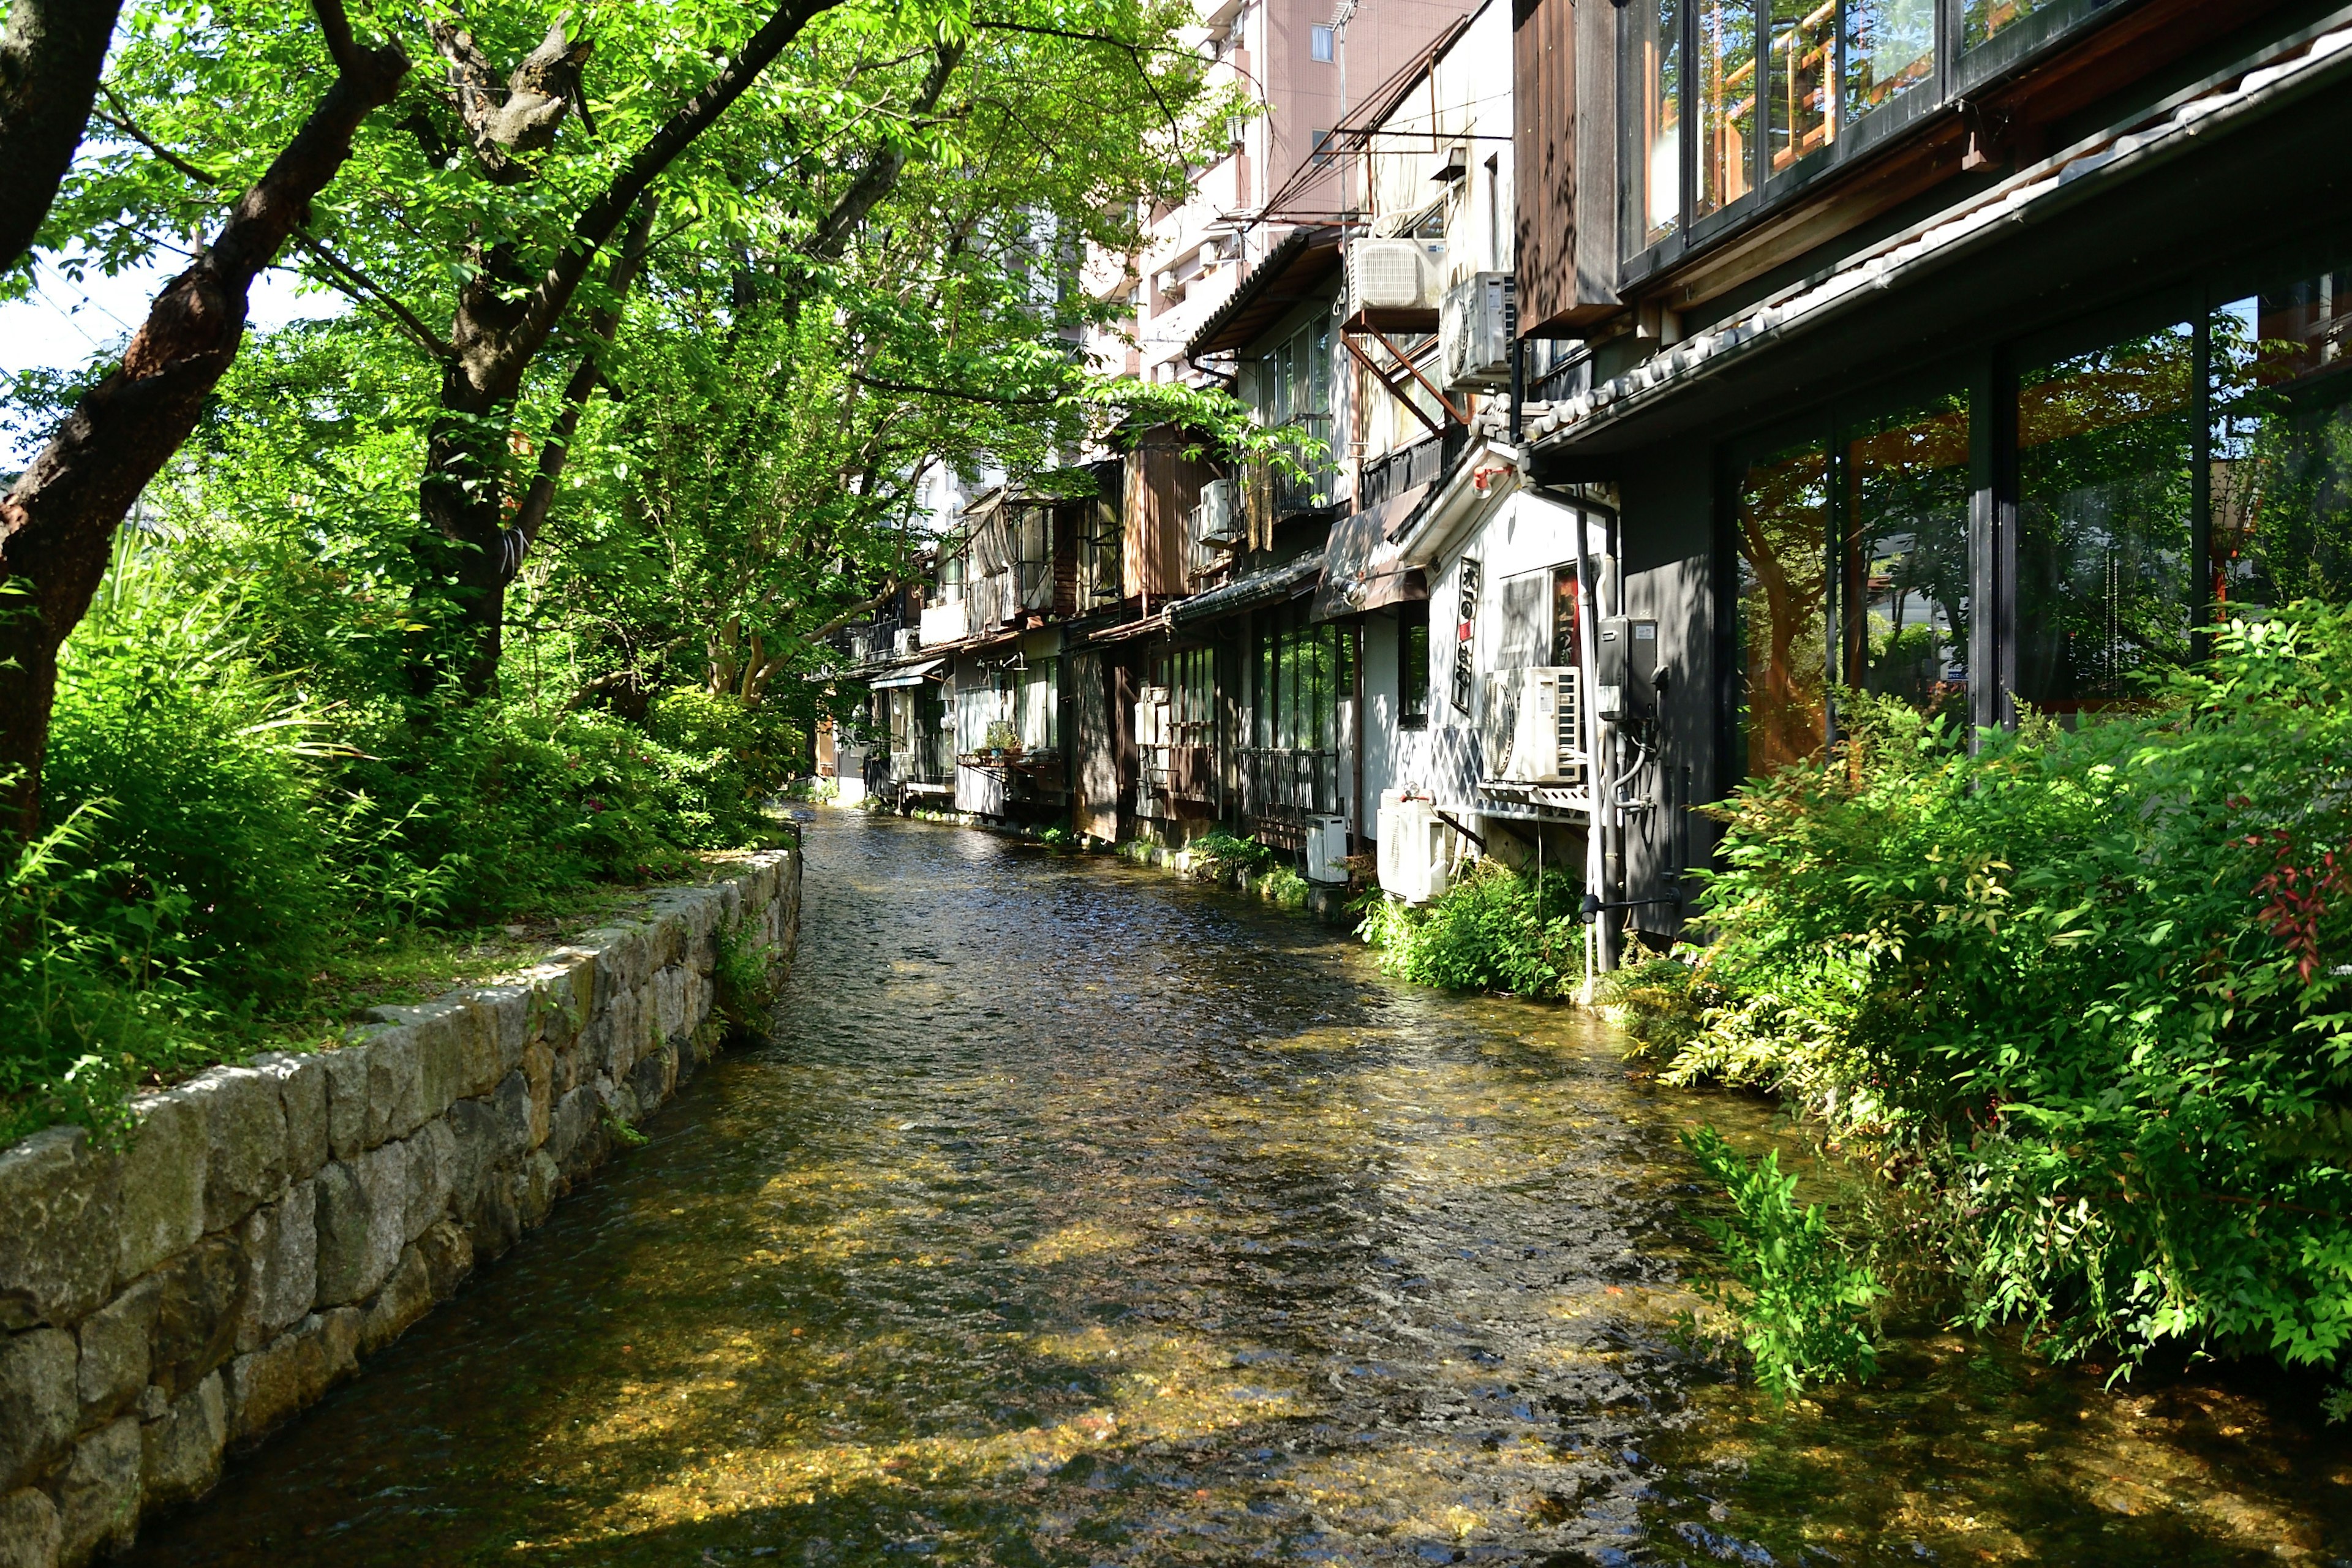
(1081, 1216)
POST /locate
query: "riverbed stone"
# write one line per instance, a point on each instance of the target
(38, 1409)
(432, 1169)
(30, 1531)
(281, 1242)
(61, 1201)
(196, 1312)
(244, 1129)
(406, 1296)
(302, 1094)
(162, 1176)
(179, 1454)
(116, 1350)
(97, 1499)
(362, 1210)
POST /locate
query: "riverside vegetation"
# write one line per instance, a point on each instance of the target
(506, 584)
(2078, 996)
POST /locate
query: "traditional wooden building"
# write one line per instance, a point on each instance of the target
(1973, 352)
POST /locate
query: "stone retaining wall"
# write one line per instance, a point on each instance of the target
(267, 1225)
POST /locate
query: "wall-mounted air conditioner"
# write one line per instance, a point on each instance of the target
(1219, 514)
(1389, 276)
(1326, 847)
(1476, 326)
(1412, 863)
(945, 623)
(1546, 727)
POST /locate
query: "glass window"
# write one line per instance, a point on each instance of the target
(1981, 20)
(2282, 452)
(1319, 42)
(1803, 46)
(1726, 106)
(1890, 48)
(1566, 630)
(1905, 572)
(1783, 608)
(1656, 99)
(1413, 664)
(2104, 550)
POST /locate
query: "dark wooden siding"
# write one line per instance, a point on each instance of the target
(1564, 94)
(1162, 487)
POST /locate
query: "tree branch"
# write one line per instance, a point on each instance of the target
(954, 395)
(531, 516)
(603, 217)
(889, 161)
(365, 288)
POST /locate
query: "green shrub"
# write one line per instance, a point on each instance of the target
(2089, 985)
(97, 990)
(1283, 888)
(1494, 930)
(1802, 1306)
(1223, 857)
(201, 781)
(745, 982)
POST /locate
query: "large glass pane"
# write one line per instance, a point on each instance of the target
(2281, 474)
(1803, 75)
(2105, 564)
(1890, 48)
(1981, 19)
(1783, 608)
(1653, 96)
(1727, 103)
(1905, 566)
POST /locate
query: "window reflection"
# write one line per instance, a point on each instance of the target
(2281, 451)
(1727, 84)
(1655, 26)
(1905, 566)
(1803, 44)
(2104, 550)
(1783, 606)
(1983, 18)
(1890, 48)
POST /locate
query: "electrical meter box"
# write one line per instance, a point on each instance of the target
(1625, 669)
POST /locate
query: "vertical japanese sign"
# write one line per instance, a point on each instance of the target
(1465, 616)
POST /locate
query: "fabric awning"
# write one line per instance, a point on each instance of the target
(1270, 586)
(913, 675)
(1362, 568)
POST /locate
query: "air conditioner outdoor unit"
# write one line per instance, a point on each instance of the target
(1546, 728)
(1326, 847)
(1475, 326)
(1219, 513)
(1412, 849)
(1390, 275)
(1170, 286)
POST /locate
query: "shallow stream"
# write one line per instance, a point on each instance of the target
(1079, 1216)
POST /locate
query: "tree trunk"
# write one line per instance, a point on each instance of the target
(51, 53)
(57, 525)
